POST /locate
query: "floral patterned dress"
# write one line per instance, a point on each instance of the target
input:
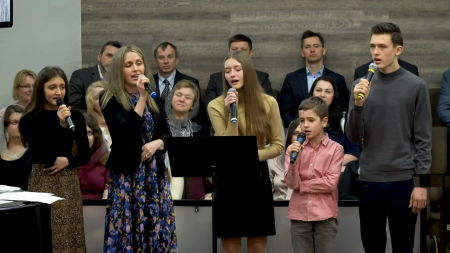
(139, 213)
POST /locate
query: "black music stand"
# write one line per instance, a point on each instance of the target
(216, 157)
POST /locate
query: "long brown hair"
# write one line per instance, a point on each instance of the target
(114, 79)
(256, 118)
(92, 123)
(37, 101)
(292, 126)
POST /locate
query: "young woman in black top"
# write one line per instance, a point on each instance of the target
(44, 129)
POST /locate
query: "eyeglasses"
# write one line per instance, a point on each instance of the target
(27, 86)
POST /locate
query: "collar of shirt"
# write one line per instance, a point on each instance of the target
(171, 80)
(101, 76)
(324, 141)
(319, 73)
(311, 78)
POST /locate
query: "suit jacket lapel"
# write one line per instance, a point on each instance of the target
(303, 82)
(178, 77)
(95, 74)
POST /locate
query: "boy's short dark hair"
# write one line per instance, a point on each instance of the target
(239, 38)
(113, 43)
(389, 28)
(163, 46)
(316, 104)
(308, 34)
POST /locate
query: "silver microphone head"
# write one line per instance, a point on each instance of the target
(373, 67)
(232, 90)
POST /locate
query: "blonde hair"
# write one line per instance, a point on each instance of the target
(89, 98)
(20, 76)
(187, 84)
(256, 119)
(114, 80)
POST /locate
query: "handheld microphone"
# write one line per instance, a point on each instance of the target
(149, 90)
(69, 121)
(372, 69)
(300, 138)
(233, 111)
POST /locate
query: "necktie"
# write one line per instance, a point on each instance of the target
(165, 92)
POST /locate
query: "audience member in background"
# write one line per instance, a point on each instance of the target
(81, 79)
(258, 114)
(139, 200)
(443, 108)
(44, 128)
(182, 107)
(349, 182)
(22, 88)
(297, 85)
(325, 88)
(276, 165)
(93, 108)
(15, 158)
(94, 176)
(314, 176)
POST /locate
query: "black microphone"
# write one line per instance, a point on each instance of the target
(301, 137)
(372, 69)
(149, 90)
(233, 111)
(69, 121)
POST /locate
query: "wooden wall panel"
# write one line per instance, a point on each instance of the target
(201, 28)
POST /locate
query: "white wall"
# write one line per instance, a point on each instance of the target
(44, 33)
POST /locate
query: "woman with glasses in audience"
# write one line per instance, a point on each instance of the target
(139, 213)
(93, 108)
(276, 165)
(22, 88)
(44, 128)
(248, 211)
(325, 88)
(15, 158)
(94, 176)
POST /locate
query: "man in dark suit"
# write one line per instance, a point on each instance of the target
(166, 59)
(297, 85)
(361, 71)
(81, 79)
(215, 85)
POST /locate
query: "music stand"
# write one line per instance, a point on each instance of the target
(214, 156)
(204, 156)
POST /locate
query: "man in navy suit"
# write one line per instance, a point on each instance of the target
(443, 108)
(361, 71)
(81, 79)
(297, 84)
(166, 59)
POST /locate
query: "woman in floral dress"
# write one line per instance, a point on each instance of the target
(139, 213)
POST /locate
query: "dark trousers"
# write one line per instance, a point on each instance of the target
(378, 201)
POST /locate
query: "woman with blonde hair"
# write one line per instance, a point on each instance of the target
(139, 214)
(258, 115)
(22, 88)
(93, 108)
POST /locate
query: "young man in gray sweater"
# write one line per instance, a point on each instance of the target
(394, 120)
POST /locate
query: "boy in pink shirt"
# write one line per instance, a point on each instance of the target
(313, 208)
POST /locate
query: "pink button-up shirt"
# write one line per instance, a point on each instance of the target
(314, 180)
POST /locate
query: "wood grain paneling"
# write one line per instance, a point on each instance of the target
(201, 29)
